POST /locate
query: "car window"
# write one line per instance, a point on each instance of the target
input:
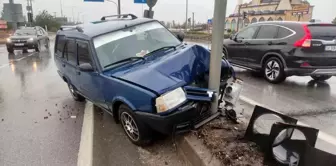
(39, 32)
(283, 32)
(247, 33)
(60, 42)
(70, 52)
(83, 53)
(24, 32)
(267, 32)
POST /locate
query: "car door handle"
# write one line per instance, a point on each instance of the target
(78, 72)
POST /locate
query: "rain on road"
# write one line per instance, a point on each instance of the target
(35, 112)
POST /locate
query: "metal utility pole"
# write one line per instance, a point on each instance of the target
(216, 50)
(61, 8)
(238, 18)
(186, 23)
(193, 20)
(119, 10)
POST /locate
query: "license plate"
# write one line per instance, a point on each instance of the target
(19, 44)
(330, 48)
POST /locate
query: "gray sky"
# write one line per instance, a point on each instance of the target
(166, 10)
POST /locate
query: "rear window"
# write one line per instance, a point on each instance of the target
(324, 32)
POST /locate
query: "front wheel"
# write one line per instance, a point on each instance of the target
(137, 132)
(321, 78)
(274, 71)
(74, 94)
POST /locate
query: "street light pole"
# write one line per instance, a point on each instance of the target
(61, 8)
(216, 50)
(186, 23)
(119, 10)
(117, 5)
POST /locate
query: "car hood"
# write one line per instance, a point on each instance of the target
(23, 37)
(164, 73)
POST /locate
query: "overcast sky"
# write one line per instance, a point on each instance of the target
(166, 10)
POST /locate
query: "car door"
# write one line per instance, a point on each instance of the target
(40, 37)
(90, 83)
(265, 41)
(70, 62)
(238, 47)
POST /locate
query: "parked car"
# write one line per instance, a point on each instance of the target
(26, 38)
(139, 72)
(283, 49)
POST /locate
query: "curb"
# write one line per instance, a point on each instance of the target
(85, 154)
(195, 153)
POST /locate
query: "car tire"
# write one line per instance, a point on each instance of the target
(74, 94)
(38, 47)
(137, 132)
(10, 50)
(274, 70)
(321, 78)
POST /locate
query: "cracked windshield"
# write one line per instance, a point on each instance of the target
(167, 83)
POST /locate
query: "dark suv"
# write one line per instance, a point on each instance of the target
(282, 49)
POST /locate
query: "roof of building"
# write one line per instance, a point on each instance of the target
(97, 28)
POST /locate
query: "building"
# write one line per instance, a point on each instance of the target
(269, 10)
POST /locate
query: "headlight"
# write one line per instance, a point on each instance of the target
(31, 39)
(9, 40)
(170, 100)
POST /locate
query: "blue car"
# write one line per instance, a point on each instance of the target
(139, 72)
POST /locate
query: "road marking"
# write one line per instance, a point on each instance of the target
(4, 65)
(15, 60)
(323, 136)
(85, 154)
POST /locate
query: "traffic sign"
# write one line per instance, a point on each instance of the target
(210, 21)
(140, 1)
(94, 0)
(151, 3)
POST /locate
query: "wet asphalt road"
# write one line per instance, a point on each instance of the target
(36, 127)
(313, 103)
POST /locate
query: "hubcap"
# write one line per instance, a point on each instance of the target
(129, 126)
(272, 70)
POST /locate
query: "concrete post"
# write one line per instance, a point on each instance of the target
(216, 50)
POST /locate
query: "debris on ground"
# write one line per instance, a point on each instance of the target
(73, 117)
(45, 117)
(2, 120)
(225, 141)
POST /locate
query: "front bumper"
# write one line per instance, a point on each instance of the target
(183, 119)
(311, 71)
(27, 45)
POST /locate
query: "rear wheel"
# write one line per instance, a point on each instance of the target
(10, 50)
(274, 70)
(321, 78)
(137, 132)
(74, 94)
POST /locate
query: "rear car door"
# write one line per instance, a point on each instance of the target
(70, 63)
(265, 41)
(238, 47)
(322, 52)
(90, 83)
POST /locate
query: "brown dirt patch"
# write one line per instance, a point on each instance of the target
(225, 141)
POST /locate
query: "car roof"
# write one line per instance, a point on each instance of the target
(284, 23)
(97, 28)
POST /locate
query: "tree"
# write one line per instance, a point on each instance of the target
(334, 21)
(45, 19)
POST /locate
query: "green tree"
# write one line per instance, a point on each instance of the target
(45, 19)
(334, 21)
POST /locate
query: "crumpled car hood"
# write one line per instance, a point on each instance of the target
(164, 73)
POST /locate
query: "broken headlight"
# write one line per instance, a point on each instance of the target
(170, 100)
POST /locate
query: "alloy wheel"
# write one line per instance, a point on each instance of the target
(130, 126)
(272, 70)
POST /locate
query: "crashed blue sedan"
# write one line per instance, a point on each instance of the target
(138, 71)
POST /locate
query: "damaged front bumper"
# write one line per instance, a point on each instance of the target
(188, 116)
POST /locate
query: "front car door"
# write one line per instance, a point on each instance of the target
(237, 48)
(90, 83)
(70, 62)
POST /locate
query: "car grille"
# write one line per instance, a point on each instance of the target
(204, 113)
(19, 41)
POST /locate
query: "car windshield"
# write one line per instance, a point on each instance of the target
(22, 32)
(136, 41)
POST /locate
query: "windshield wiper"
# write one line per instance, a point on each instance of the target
(162, 48)
(125, 60)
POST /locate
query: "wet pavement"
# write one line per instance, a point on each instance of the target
(112, 147)
(35, 112)
(311, 102)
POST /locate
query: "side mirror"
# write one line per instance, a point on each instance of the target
(180, 36)
(86, 67)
